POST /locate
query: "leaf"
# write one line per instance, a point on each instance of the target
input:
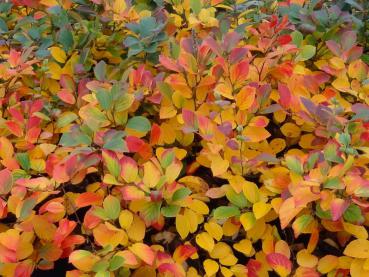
(105, 98)
(211, 267)
(58, 54)
(251, 191)
(260, 209)
(111, 162)
(297, 38)
(225, 212)
(195, 6)
(6, 181)
(280, 264)
(218, 165)
(353, 214)
(87, 199)
(111, 206)
(144, 252)
(66, 39)
(66, 96)
(214, 229)
(294, 164)
(245, 98)
(100, 71)
(181, 194)
(306, 53)
(83, 260)
(248, 220)
(116, 262)
(205, 241)
(139, 124)
(182, 226)
(23, 160)
(301, 224)
(358, 248)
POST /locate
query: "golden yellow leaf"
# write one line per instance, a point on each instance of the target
(260, 209)
(211, 267)
(358, 248)
(205, 241)
(58, 54)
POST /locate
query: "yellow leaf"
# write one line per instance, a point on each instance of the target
(182, 226)
(341, 84)
(151, 174)
(199, 207)
(305, 259)
(218, 165)
(214, 229)
(205, 241)
(290, 130)
(245, 98)
(83, 260)
(358, 248)
(211, 267)
(221, 250)
(119, 6)
(355, 230)
(245, 247)
(125, 219)
(327, 264)
(260, 209)
(144, 252)
(136, 231)
(251, 191)
(255, 134)
(247, 220)
(229, 260)
(58, 54)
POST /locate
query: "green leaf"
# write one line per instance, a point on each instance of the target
(100, 266)
(3, 26)
(306, 53)
(65, 118)
(170, 211)
(151, 211)
(167, 159)
(66, 39)
(225, 212)
(237, 199)
(322, 214)
(105, 99)
(116, 262)
(100, 71)
(297, 38)
(333, 183)
(124, 102)
(294, 165)
(331, 153)
(195, 6)
(180, 194)
(115, 142)
(75, 137)
(353, 214)
(111, 206)
(23, 160)
(100, 213)
(139, 123)
(27, 208)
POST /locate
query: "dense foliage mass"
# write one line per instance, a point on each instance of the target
(184, 138)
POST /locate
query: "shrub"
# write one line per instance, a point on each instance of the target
(184, 138)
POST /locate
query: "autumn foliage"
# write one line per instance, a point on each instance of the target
(184, 138)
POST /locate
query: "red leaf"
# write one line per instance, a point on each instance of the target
(14, 128)
(169, 63)
(155, 134)
(284, 96)
(284, 39)
(67, 96)
(87, 199)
